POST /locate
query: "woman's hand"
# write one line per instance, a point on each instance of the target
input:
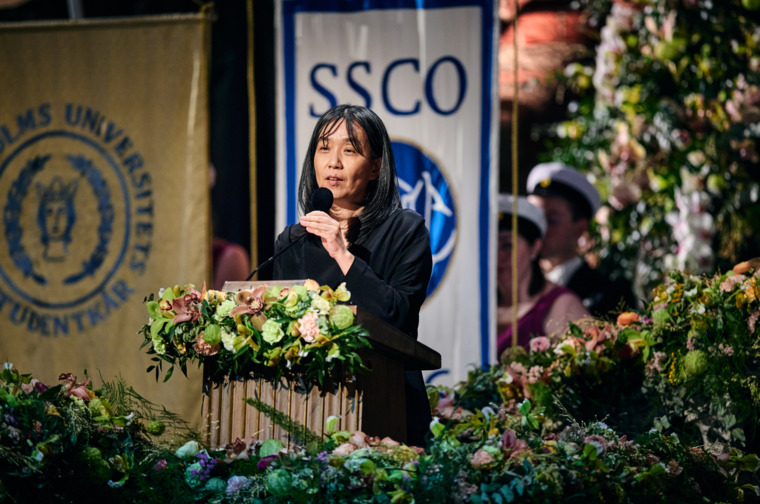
(329, 230)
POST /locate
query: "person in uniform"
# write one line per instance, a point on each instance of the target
(569, 202)
(543, 308)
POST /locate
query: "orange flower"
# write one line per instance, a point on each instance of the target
(627, 318)
(745, 266)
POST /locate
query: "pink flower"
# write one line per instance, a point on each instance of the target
(752, 321)
(358, 439)
(726, 349)
(598, 441)
(539, 344)
(251, 303)
(33, 385)
(535, 374)
(241, 449)
(520, 446)
(508, 439)
(729, 283)
(187, 307)
(480, 458)
(160, 465)
(72, 389)
(204, 348)
(307, 326)
(446, 408)
(344, 450)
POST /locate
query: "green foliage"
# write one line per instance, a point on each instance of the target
(665, 122)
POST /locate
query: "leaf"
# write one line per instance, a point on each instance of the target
(270, 447)
(168, 374)
(507, 492)
(158, 326)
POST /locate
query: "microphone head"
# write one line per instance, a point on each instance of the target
(322, 199)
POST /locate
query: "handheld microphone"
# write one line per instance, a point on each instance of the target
(322, 200)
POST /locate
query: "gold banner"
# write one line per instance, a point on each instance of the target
(104, 193)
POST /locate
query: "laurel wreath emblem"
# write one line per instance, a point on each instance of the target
(105, 209)
(12, 212)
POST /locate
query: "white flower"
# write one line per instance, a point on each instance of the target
(8, 366)
(320, 305)
(488, 412)
(189, 449)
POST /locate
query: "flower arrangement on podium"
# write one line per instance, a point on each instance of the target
(305, 331)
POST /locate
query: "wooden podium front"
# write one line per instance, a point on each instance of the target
(373, 402)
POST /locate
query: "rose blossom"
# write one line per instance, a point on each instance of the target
(307, 326)
(344, 450)
(729, 283)
(358, 439)
(539, 344)
(480, 457)
(598, 442)
(204, 348)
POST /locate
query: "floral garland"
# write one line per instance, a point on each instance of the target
(691, 359)
(304, 332)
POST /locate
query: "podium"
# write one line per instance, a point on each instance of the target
(373, 402)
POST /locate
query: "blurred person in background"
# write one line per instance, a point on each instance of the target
(543, 308)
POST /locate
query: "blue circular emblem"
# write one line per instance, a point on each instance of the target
(56, 201)
(424, 188)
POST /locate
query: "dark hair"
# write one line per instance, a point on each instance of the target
(531, 233)
(382, 194)
(580, 208)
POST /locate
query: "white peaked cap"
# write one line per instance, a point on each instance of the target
(544, 175)
(525, 209)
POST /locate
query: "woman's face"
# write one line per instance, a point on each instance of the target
(525, 252)
(343, 169)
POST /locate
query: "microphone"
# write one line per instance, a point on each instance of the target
(322, 200)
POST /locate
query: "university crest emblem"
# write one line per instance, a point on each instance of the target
(77, 218)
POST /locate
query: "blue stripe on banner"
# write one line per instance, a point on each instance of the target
(485, 228)
(289, 72)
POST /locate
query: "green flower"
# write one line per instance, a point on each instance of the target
(341, 316)
(695, 362)
(224, 309)
(213, 334)
(156, 427)
(159, 345)
(272, 332)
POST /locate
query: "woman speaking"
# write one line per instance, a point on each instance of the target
(365, 239)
